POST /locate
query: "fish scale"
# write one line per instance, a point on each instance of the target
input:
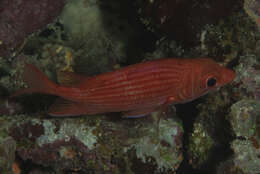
(140, 90)
(133, 76)
(137, 88)
(133, 82)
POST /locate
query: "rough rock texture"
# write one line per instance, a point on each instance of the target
(252, 9)
(245, 119)
(19, 18)
(94, 144)
(7, 154)
(226, 129)
(183, 19)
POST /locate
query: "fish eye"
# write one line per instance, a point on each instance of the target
(211, 82)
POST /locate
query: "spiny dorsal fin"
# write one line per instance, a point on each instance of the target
(68, 78)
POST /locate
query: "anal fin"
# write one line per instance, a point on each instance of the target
(138, 113)
(66, 108)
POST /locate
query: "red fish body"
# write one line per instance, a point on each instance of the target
(136, 90)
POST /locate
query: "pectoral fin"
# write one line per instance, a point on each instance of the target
(138, 113)
(65, 108)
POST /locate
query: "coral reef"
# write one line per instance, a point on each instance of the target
(244, 117)
(210, 133)
(90, 37)
(94, 143)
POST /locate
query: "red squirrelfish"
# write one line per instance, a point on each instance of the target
(136, 90)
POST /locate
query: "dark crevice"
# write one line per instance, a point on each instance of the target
(187, 112)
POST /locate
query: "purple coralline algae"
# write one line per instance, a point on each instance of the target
(19, 18)
(95, 144)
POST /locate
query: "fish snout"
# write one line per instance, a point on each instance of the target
(228, 75)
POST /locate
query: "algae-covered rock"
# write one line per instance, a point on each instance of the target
(19, 18)
(245, 121)
(96, 144)
(7, 153)
(95, 36)
(201, 143)
(249, 75)
(98, 34)
(244, 118)
(246, 156)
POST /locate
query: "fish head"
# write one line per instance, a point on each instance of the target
(211, 76)
(204, 75)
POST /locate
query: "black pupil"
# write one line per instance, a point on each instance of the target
(211, 82)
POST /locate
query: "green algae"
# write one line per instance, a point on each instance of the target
(102, 138)
(201, 144)
(67, 130)
(229, 37)
(148, 148)
(96, 43)
(73, 22)
(9, 79)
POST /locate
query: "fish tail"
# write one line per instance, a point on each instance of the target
(37, 82)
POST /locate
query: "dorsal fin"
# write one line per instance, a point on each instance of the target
(68, 78)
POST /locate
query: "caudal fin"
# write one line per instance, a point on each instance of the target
(37, 82)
